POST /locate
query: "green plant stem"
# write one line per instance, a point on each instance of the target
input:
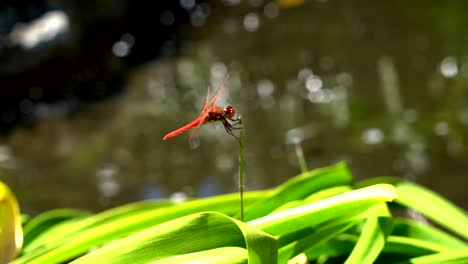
(241, 172)
(300, 157)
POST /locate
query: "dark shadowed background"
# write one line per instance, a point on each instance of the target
(88, 90)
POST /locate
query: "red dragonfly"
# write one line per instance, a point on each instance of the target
(211, 113)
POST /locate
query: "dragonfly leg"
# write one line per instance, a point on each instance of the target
(235, 128)
(228, 127)
(238, 119)
(235, 122)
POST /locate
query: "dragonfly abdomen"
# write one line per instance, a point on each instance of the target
(190, 125)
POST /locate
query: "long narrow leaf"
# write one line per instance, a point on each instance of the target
(459, 256)
(332, 208)
(224, 255)
(300, 187)
(68, 241)
(371, 242)
(190, 234)
(316, 237)
(325, 193)
(342, 245)
(433, 206)
(377, 210)
(46, 220)
(412, 247)
(75, 226)
(413, 229)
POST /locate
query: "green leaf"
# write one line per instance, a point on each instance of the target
(345, 205)
(44, 221)
(300, 187)
(11, 233)
(72, 226)
(224, 255)
(325, 193)
(315, 214)
(411, 247)
(413, 229)
(308, 240)
(340, 245)
(434, 207)
(459, 256)
(189, 234)
(74, 238)
(343, 244)
(288, 205)
(379, 209)
(371, 242)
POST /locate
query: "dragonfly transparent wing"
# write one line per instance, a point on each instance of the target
(218, 92)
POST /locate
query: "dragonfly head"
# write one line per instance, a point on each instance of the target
(229, 111)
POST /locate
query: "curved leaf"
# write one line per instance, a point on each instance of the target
(72, 239)
(413, 229)
(329, 209)
(11, 233)
(343, 244)
(300, 187)
(459, 256)
(44, 221)
(325, 193)
(411, 247)
(74, 225)
(371, 242)
(309, 240)
(189, 234)
(434, 207)
(224, 255)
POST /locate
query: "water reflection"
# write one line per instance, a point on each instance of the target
(449, 67)
(41, 30)
(347, 84)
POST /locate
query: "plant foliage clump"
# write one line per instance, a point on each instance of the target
(320, 216)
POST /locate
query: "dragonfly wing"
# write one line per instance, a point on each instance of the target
(207, 98)
(218, 92)
(195, 131)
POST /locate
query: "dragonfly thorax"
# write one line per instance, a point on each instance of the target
(218, 114)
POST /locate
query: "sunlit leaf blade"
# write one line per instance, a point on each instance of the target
(11, 234)
(371, 242)
(403, 247)
(379, 209)
(411, 247)
(189, 234)
(224, 255)
(434, 207)
(44, 221)
(299, 188)
(309, 240)
(325, 193)
(70, 227)
(459, 256)
(413, 229)
(72, 239)
(340, 245)
(332, 208)
(289, 205)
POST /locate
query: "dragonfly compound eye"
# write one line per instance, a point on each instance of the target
(229, 111)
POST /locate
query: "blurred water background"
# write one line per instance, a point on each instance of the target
(89, 90)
